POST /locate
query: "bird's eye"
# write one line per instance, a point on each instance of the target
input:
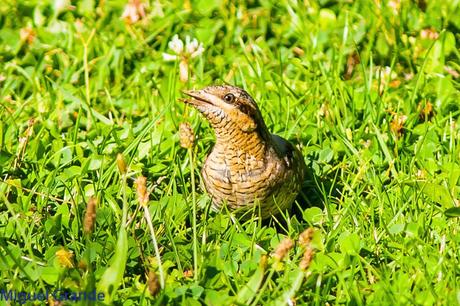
(229, 98)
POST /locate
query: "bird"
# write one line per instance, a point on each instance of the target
(248, 168)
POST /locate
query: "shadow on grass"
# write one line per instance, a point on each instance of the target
(316, 189)
(315, 192)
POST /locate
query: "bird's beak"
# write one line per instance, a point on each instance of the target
(199, 98)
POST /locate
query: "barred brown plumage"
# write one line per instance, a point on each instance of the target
(247, 165)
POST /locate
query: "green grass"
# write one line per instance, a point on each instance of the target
(350, 82)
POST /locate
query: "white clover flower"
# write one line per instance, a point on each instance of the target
(192, 49)
(169, 57)
(183, 52)
(133, 11)
(197, 51)
(130, 13)
(189, 45)
(176, 44)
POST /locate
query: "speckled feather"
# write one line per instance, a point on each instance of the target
(247, 165)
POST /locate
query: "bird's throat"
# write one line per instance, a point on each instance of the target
(244, 145)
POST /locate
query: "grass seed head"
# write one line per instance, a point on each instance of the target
(27, 35)
(188, 274)
(352, 60)
(397, 124)
(425, 110)
(283, 249)
(121, 164)
(298, 51)
(90, 216)
(186, 135)
(153, 283)
(307, 259)
(141, 189)
(263, 261)
(429, 34)
(306, 236)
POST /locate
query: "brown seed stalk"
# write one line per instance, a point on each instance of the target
(307, 258)
(283, 249)
(425, 110)
(121, 164)
(90, 216)
(397, 124)
(186, 135)
(306, 236)
(141, 189)
(153, 283)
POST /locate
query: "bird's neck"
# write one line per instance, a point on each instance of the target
(253, 144)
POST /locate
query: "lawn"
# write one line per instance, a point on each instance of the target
(100, 203)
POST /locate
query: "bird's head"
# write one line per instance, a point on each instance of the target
(227, 107)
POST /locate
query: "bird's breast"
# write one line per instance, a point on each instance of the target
(238, 177)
